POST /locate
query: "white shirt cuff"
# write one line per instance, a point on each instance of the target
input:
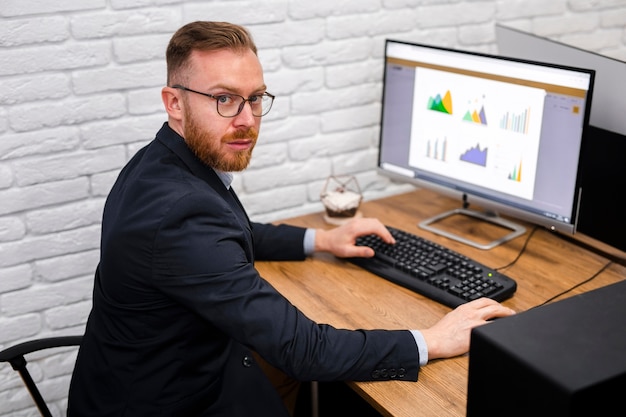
(309, 241)
(421, 346)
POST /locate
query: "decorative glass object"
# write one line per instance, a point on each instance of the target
(341, 197)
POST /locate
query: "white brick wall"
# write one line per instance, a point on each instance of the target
(80, 93)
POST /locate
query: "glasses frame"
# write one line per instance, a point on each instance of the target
(243, 102)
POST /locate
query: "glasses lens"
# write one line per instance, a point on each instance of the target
(262, 104)
(232, 105)
(229, 106)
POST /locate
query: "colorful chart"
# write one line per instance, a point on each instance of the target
(475, 155)
(437, 150)
(516, 122)
(476, 116)
(516, 174)
(443, 105)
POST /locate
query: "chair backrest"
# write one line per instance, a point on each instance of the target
(15, 355)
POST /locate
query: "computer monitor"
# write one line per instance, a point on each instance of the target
(502, 133)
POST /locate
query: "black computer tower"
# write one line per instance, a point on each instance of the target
(603, 181)
(563, 359)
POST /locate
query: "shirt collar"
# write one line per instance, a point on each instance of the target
(226, 177)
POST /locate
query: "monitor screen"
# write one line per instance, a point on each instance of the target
(502, 133)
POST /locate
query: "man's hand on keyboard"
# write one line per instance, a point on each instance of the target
(450, 336)
(341, 240)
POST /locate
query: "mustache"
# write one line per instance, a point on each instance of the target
(249, 133)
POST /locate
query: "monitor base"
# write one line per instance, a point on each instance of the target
(516, 229)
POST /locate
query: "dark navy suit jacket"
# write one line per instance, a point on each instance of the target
(178, 305)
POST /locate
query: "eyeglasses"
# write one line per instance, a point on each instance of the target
(230, 105)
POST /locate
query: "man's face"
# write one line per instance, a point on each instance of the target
(224, 143)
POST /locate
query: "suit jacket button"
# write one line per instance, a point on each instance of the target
(247, 361)
(375, 374)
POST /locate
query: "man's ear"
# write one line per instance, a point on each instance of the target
(172, 102)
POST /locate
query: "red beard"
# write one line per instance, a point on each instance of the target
(210, 150)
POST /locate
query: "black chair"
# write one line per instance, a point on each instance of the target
(15, 356)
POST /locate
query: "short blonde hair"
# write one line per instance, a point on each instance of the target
(203, 36)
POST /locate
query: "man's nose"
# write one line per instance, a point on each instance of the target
(245, 115)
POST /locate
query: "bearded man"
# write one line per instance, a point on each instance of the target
(182, 324)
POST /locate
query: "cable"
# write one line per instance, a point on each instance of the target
(532, 232)
(577, 285)
(521, 252)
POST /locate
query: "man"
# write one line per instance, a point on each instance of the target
(179, 311)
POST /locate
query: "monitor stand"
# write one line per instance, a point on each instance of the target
(514, 228)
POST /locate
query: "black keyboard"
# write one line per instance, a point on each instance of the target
(432, 270)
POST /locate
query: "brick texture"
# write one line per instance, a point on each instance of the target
(80, 94)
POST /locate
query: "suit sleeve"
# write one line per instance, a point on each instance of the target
(201, 262)
(278, 242)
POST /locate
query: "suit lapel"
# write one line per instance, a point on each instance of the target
(177, 144)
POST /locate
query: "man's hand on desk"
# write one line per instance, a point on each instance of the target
(341, 240)
(450, 336)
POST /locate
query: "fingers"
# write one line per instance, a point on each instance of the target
(341, 240)
(487, 309)
(359, 252)
(450, 336)
(367, 226)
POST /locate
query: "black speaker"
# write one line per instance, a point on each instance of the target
(563, 359)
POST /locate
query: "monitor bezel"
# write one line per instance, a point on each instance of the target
(467, 195)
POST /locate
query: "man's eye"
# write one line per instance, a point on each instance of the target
(255, 99)
(224, 99)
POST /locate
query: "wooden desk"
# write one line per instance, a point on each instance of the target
(333, 291)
